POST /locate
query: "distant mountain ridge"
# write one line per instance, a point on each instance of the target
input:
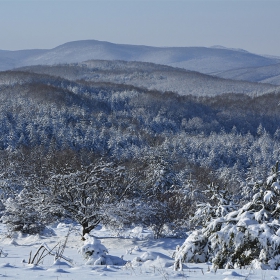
(201, 59)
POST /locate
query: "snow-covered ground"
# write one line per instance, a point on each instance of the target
(146, 258)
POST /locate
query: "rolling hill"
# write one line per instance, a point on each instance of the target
(201, 59)
(152, 77)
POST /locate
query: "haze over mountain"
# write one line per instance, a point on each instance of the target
(201, 59)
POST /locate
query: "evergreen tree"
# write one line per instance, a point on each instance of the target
(248, 235)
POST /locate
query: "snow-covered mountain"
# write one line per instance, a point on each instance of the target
(264, 74)
(201, 59)
(151, 76)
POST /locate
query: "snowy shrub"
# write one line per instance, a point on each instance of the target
(153, 260)
(22, 215)
(125, 214)
(194, 249)
(249, 235)
(95, 253)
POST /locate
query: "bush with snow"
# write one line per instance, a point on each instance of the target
(153, 259)
(95, 253)
(195, 249)
(249, 235)
(22, 213)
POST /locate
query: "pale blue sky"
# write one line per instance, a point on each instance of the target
(249, 24)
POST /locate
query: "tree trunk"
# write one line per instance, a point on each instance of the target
(87, 229)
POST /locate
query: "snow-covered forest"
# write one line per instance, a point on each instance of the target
(90, 145)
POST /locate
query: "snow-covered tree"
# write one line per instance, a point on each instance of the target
(24, 213)
(217, 203)
(248, 235)
(85, 195)
(197, 247)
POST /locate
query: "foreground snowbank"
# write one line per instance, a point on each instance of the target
(144, 259)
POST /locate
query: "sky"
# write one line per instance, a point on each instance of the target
(252, 25)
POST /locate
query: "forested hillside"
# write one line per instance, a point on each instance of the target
(161, 148)
(152, 76)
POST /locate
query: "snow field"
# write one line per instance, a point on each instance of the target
(146, 258)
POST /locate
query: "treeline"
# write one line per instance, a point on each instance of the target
(124, 122)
